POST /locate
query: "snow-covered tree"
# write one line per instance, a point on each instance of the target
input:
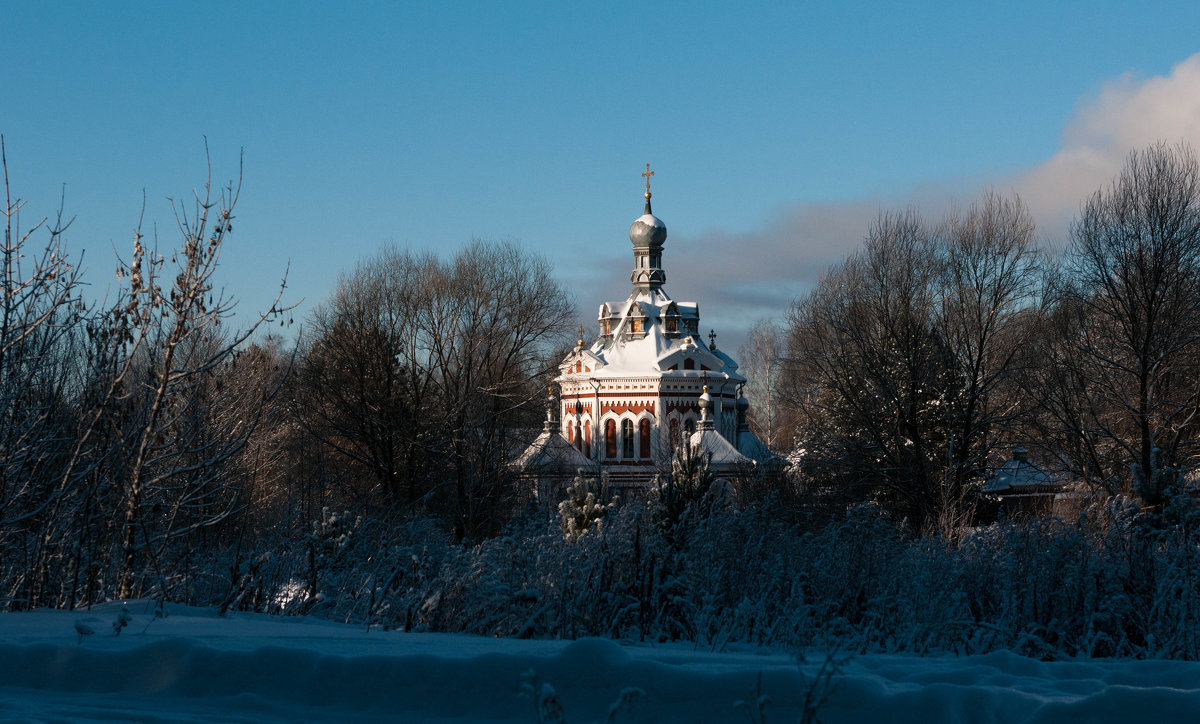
(587, 502)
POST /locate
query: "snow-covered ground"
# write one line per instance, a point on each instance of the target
(195, 666)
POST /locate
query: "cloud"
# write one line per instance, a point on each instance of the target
(741, 277)
(1125, 115)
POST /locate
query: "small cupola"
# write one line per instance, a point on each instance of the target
(636, 328)
(670, 319)
(647, 234)
(608, 322)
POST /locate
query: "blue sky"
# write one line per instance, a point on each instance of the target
(776, 130)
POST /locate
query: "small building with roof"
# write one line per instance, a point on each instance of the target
(1022, 487)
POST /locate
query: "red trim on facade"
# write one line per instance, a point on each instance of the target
(630, 463)
(623, 407)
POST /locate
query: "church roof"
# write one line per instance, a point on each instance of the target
(624, 352)
(650, 337)
(551, 452)
(724, 455)
(749, 445)
(648, 333)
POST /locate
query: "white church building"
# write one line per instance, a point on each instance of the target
(645, 385)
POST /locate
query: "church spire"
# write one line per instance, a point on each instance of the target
(551, 419)
(647, 176)
(648, 233)
(706, 408)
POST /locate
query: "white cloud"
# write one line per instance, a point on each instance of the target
(741, 277)
(1125, 115)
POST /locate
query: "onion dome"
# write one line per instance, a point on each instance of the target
(648, 229)
(648, 233)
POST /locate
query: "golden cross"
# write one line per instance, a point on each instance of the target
(647, 176)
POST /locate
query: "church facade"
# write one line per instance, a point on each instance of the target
(644, 386)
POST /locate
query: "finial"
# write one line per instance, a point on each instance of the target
(550, 409)
(712, 339)
(647, 176)
(580, 343)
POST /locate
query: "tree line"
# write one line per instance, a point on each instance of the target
(149, 449)
(917, 364)
(145, 443)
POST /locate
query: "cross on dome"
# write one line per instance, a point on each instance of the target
(647, 176)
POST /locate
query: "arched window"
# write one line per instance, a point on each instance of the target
(610, 438)
(674, 433)
(587, 438)
(627, 439)
(644, 438)
(689, 426)
(571, 431)
(689, 364)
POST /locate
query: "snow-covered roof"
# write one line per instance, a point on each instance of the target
(550, 452)
(1018, 475)
(749, 445)
(724, 455)
(624, 352)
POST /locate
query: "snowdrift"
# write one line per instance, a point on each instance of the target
(194, 666)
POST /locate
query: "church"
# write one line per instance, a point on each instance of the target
(646, 385)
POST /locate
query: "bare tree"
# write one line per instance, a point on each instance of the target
(165, 346)
(873, 378)
(426, 373)
(361, 390)
(1067, 402)
(507, 314)
(762, 358)
(1134, 261)
(991, 279)
(42, 318)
